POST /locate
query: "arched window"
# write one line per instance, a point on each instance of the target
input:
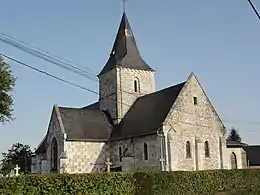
(145, 151)
(136, 85)
(188, 150)
(54, 156)
(233, 161)
(120, 154)
(206, 148)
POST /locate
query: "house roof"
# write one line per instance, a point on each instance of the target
(94, 106)
(124, 51)
(86, 124)
(91, 124)
(41, 148)
(235, 144)
(147, 113)
(253, 155)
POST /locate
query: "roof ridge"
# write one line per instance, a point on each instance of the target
(64, 107)
(92, 104)
(161, 90)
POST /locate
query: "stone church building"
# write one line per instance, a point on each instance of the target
(136, 127)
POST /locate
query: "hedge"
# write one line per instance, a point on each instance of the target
(138, 183)
(255, 191)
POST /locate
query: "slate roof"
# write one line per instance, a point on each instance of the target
(231, 143)
(86, 124)
(253, 155)
(125, 52)
(147, 113)
(41, 148)
(252, 152)
(94, 106)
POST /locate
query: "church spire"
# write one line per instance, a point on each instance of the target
(125, 52)
(125, 41)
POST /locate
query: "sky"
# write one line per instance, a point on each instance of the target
(217, 40)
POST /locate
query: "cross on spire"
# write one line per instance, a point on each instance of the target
(124, 5)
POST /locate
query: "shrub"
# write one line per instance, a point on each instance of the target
(62, 184)
(255, 191)
(197, 182)
(139, 183)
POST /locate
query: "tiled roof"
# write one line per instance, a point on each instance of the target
(86, 124)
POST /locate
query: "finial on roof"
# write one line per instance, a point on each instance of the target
(124, 5)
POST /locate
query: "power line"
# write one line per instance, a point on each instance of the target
(51, 59)
(48, 74)
(47, 57)
(50, 54)
(253, 7)
(37, 53)
(57, 78)
(67, 65)
(87, 89)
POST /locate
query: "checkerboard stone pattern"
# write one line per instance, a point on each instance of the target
(85, 157)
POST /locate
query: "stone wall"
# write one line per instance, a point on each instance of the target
(240, 157)
(126, 92)
(133, 152)
(43, 167)
(85, 157)
(37, 165)
(116, 90)
(254, 167)
(55, 131)
(107, 93)
(197, 124)
(34, 165)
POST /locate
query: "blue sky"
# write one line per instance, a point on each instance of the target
(218, 40)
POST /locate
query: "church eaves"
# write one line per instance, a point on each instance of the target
(125, 52)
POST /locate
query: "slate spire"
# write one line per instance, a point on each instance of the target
(125, 52)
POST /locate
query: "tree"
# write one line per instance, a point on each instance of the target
(234, 135)
(7, 82)
(18, 154)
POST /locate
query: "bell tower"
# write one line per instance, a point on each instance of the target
(126, 76)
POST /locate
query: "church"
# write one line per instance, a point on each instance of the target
(133, 127)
